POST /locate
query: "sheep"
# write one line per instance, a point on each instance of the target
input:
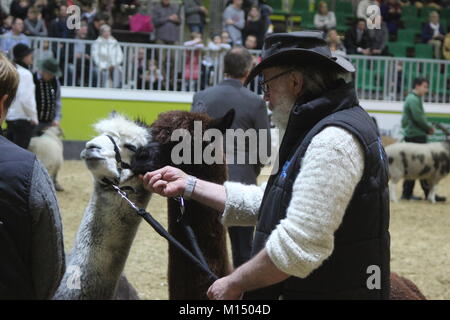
(430, 161)
(49, 150)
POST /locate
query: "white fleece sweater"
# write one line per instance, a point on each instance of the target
(332, 167)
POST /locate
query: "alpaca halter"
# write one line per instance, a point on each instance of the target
(197, 257)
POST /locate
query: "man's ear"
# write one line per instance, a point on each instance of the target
(224, 123)
(297, 83)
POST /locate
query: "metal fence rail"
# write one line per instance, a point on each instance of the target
(141, 66)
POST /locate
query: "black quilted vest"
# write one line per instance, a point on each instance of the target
(16, 169)
(362, 240)
(45, 98)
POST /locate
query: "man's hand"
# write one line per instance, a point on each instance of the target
(229, 21)
(224, 289)
(174, 18)
(34, 122)
(167, 181)
(55, 123)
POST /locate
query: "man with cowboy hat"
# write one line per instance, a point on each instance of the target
(323, 217)
(48, 93)
(22, 115)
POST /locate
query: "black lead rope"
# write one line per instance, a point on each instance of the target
(197, 259)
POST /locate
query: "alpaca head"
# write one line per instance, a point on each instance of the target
(162, 130)
(100, 153)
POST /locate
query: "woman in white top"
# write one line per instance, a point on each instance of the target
(22, 115)
(324, 19)
(108, 57)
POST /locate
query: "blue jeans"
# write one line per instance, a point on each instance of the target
(196, 27)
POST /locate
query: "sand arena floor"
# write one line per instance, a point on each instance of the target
(420, 237)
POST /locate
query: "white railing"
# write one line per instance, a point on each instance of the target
(190, 69)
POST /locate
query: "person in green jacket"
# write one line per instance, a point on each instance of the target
(415, 129)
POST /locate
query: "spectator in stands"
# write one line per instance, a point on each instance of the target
(6, 24)
(34, 24)
(324, 19)
(81, 64)
(433, 33)
(335, 43)
(14, 36)
(22, 115)
(94, 26)
(44, 51)
(256, 26)
(251, 43)
(357, 39)
(58, 27)
(19, 8)
(266, 11)
(234, 21)
(148, 73)
(48, 9)
(363, 5)
(226, 39)
(88, 11)
(121, 11)
(108, 57)
(446, 50)
(195, 14)
(167, 22)
(5, 6)
(192, 65)
(391, 12)
(379, 38)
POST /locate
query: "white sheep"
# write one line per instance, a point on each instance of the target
(429, 161)
(49, 150)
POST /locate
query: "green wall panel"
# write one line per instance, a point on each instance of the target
(79, 115)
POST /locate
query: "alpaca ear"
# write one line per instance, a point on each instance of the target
(223, 123)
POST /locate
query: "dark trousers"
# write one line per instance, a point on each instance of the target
(408, 185)
(241, 244)
(19, 132)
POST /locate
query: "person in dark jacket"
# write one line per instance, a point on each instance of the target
(32, 260)
(195, 14)
(323, 217)
(357, 39)
(433, 33)
(251, 114)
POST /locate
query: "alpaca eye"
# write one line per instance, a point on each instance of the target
(130, 147)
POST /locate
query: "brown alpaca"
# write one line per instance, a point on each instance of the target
(404, 289)
(187, 281)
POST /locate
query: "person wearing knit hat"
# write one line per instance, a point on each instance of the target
(22, 115)
(322, 219)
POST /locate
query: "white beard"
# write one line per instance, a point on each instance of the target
(280, 115)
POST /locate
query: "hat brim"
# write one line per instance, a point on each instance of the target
(300, 56)
(40, 66)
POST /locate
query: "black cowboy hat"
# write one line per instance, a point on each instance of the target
(296, 48)
(20, 51)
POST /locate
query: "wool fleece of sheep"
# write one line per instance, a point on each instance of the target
(420, 241)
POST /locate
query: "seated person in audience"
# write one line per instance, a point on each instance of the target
(6, 24)
(251, 42)
(58, 27)
(226, 39)
(433, 33)
(256, 25)
(151, 77)
(94, 26)
(324, 19)
(357, 39)
(34, 24)
(363, 5)
(13, 37)
(446, 50)
(335, 43)
(19, 8)
(391, 12)
(379, 38)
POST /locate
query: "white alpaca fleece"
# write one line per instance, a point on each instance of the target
(332, 167)
(120, 126)
(49, 150)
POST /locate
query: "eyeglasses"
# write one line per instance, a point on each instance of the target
(265, 87)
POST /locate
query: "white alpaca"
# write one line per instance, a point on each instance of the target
(49, 150)
(109, 225)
